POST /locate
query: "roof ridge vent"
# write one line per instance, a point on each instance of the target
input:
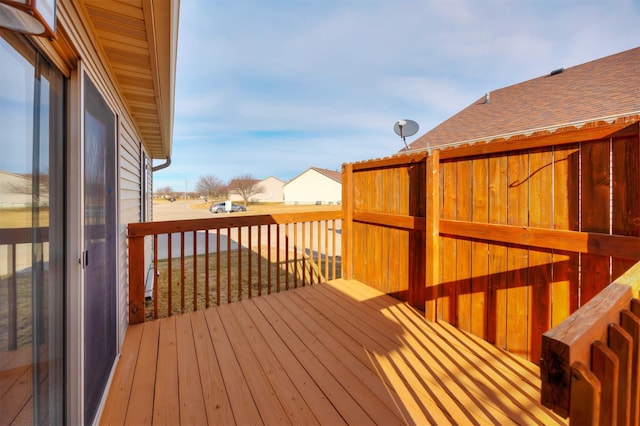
(556, 72)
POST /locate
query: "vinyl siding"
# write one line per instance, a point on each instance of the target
(130, 199)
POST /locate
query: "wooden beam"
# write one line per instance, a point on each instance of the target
(176, 226)
(395, 161)
(556, 239)
(411, 223)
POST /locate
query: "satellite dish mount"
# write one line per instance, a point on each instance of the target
(404, 128)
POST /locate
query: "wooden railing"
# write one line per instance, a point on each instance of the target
(203, 262)
(12, 238)
(590, 361)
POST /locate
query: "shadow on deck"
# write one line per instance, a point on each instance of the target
(334, 353)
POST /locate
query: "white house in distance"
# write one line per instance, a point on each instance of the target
(272, 192)
(314, 186)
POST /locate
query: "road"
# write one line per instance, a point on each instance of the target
(182, 210)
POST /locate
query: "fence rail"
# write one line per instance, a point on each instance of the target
(203, 262)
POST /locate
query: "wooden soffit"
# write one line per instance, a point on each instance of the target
(139, 39)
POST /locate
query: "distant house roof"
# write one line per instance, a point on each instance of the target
(335, 175)
(603, 89)
(272, 177)
(331, 174)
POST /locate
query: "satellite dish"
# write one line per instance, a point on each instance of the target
(404, 128)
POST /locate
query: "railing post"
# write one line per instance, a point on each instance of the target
(432, 234)
(347, 221)
(136, 279)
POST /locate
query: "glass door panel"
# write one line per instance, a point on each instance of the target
(31, 236)
(100, 246)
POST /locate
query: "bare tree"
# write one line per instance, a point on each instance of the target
(245, 186)
(164, 191)
(210, 186)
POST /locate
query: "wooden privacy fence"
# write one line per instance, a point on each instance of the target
(203, 262)
(503, 240)
(589, 365)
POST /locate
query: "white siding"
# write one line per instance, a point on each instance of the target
(312, 187)
(130, 178)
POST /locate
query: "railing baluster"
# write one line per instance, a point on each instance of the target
(278, 267)
(206, 268)
(319, 266)
(182, 272)
(269, 259)
(304, 252)
(169, 274)
(249, 278)
(155, 276)
(286, 255)
(333, 250)
(195, 270)
(259, 260)
(295, 255)
(239, 231)
(228, 265)
(217, 267)
(311, 262)
(326, 249)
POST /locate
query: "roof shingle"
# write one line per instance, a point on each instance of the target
(605, 88)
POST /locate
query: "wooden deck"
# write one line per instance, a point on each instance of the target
(333, 353)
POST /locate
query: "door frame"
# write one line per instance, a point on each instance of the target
(75, 328)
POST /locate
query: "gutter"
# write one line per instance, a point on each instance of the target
(162, 166)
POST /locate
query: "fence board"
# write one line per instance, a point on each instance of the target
(595, 216)
(497, 302)
(621, 343)
(447, 302)
(479, 249)
(517, 258)
(626, 187)
(585, 396)
(463, 247)
(605, 366)
(540, 215)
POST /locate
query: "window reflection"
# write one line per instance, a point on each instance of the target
(31, 235)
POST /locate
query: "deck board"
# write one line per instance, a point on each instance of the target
(333, 353)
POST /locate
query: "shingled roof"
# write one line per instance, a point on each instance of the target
(332, 174)
(603, 89)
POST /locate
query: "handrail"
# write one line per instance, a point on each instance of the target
(580, 342)
(229, 258)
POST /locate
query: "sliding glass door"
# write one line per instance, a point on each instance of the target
(100, 337)
(32, 244)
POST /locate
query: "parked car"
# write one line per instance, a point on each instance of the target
(171, 199)
(222, 207)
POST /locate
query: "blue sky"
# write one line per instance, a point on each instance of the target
(271, 88)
